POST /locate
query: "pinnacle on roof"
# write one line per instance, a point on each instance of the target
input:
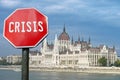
(79, 38)
(64, 35)
(89, 40)
(64, 30)
(72, 39)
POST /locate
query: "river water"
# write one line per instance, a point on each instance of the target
(12, 75)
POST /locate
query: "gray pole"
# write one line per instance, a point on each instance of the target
(25, 63)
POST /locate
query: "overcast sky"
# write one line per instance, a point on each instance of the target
(99, 19)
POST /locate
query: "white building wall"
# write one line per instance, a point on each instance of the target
(1, 58)
(83, 59)
(14, 59)
(35, 60)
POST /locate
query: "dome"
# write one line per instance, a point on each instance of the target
(64, 35)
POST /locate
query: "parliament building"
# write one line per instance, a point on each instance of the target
(65, 52)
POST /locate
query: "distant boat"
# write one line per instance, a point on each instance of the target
(17, 69)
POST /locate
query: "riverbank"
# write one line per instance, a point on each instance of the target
(9, 67)
(105, 70)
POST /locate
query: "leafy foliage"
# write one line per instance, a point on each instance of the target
(102, 61)
(4, 62)
(117, 63)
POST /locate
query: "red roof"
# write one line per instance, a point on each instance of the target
(64, 35)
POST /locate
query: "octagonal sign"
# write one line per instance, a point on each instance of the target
(25, 28)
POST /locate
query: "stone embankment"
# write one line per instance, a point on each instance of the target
(115, 70)
(107, 70)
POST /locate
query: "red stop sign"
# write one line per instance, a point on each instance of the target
(25, 28)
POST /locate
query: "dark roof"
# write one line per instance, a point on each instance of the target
(94, 49)
(64, 35)
(35, 52)
(111, 50)
(51, 46)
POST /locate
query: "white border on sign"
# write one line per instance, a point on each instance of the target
(25, 46)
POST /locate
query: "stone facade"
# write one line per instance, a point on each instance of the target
(14, 59)
(68, 53)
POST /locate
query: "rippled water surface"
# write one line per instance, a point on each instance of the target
(12, 75)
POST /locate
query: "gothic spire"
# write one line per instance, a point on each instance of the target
(72, 39)
(89, 40)
(78, 38)
(42, 44)
(64, 30)
(56, 43)
(55, 37)
(45, 43)
(82, 39)
(113, 48)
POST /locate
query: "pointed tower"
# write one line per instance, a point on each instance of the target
(72, 40)
(113, 48)
(64, 35)
(82, 39)
(56, 51)
(56, 44)
(79, 39)
(89, 40)
(45, 44)
(89, 43)
(42, 44)
(64, 30)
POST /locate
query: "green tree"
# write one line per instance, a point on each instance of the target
(4, 62)
(117, 63)
(102, 61)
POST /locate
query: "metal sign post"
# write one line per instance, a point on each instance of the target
(25, 63)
